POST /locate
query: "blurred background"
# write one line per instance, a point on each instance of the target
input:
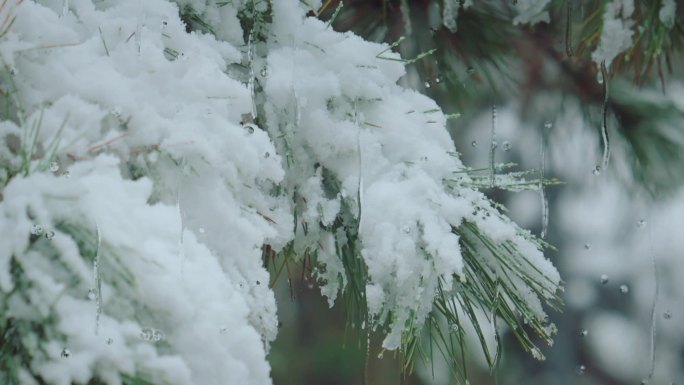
(618, 230)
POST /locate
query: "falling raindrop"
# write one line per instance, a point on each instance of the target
(641, 223)
(506, 145)
(54, 166)
(581, 369)
(92, 295)
(604, 279)
(583, 332)
(474, 143)
(66, 353)
(36, 230)
(49, 235)
(587, 246)
(667, 314)
(406, 229)
(157, 335)
(624, 289)
(146, 334)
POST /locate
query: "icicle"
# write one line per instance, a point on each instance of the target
(655, 302)
(568, 28)
(604, 126)
(542, 192)
(138, 27)
(250, 83)
(492, 148)
(98, 281)
(360, 160)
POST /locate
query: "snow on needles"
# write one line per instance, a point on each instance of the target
(132, 128)
(616, 35)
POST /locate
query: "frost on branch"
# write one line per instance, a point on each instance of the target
(173, 157)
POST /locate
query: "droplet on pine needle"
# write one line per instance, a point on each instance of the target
(474, 143)
(49, 235)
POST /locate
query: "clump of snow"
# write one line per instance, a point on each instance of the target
(616, 34)
(450, 12)
(668, 12)
(531, 12)
(186, 164)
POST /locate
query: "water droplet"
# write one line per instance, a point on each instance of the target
(13, 70)
(266, 155)
(470, 70)
(264, 72)
(667, 314)
(424, 158)
(583, 332)
(164, 24)
(427, 84)
(37, 230)
(223, 330)
(157, 335)
(624, 289)
(66, 353)
(474, 143)
(506, 146)
(548, 124)
(495, 145)
(54, 166)
(587, 246)
(49, 235)
(406, 229)
(453, 326)
(110, 341)
(604, 279)
(116, 112)
(201, 230)
(92, 295)
(581, 369)
(438, 79)
(641, 223)
(146, 334)
(597, 170)
(66, 174)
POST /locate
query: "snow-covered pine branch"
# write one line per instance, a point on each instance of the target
(158, 163)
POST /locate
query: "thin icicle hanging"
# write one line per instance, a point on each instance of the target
(656, 294)
(250, 81)
(568, 28)
(604, 124)
(542, 191)
(97, 280)
(492, 149)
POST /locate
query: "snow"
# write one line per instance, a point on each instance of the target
(531, 12)
(146, 120)
(668, 12)
(616, 34)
